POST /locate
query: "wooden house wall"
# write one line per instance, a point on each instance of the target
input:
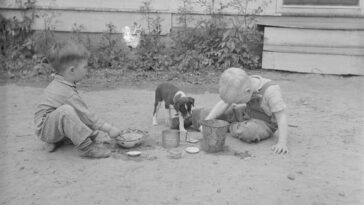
(299, 36)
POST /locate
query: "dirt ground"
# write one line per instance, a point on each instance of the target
(325, 164)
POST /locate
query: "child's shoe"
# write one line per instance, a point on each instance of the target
(94, 134)
(51, 147)
(95, 150)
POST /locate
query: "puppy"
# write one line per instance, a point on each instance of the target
(173, 98)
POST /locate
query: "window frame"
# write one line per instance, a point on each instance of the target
(323, 5)
(320, 10)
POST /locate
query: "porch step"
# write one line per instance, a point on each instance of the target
(314, 50)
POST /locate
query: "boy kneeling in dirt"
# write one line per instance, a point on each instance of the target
(261, 109)
(62, 114)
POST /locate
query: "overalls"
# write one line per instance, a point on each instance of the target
(250, 123)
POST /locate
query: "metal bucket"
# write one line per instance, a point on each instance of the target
(170, 138)
(214, 134)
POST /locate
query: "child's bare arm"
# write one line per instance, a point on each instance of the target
(217, 110)
(281, 146)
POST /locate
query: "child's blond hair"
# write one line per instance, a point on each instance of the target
(232, 84)
(66, 53)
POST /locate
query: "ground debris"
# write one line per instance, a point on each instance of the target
(291, 176)
(243, 155)
(342, 194)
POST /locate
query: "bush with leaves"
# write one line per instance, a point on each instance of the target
(111, 52)
(237, 48)
(44, 39)
(20, 54)
(213, 44)
(151, 52)
(189, 47)
(16, 48)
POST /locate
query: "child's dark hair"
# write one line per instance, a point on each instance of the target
(66, 53)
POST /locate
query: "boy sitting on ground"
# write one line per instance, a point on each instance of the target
(62, 114)
(254, 107)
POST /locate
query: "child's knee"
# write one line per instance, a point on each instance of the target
(249, 131)
(66, 110)
(242, 131)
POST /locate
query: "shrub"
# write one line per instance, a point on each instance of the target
(14, 43)
(110, 53)
(208, 45)
(212, 44)
(151, 52)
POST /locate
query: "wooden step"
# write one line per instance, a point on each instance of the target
(314, 37)
(314, 63)
(314, 50)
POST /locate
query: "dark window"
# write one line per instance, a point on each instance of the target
(322, 2)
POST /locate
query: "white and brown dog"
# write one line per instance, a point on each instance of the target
(173, 98)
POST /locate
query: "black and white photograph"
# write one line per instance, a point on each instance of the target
(182, 102)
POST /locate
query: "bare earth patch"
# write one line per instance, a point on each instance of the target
(324, 165)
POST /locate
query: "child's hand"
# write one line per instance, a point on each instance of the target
(114, 132)
(183, 130)
(280, 148)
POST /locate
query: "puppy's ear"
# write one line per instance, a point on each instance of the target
(192, 101)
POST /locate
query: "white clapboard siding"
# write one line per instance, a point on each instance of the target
(94, 22)
(314, 63)
(314, 50)
(93, 15)
(313, 37)
(160, 5)
(313, 22)
(133, 5)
